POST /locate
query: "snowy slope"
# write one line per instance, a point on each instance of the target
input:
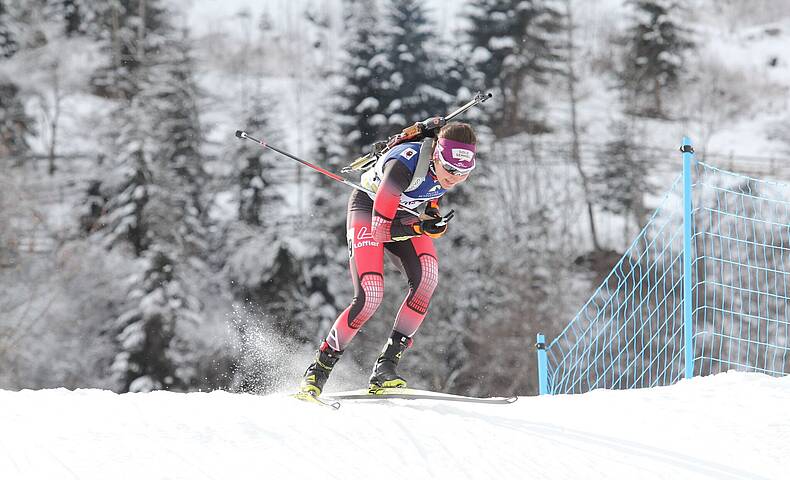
(733, 425)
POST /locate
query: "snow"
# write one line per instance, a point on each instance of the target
(728, 426)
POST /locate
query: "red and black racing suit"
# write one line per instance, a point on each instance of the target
(371, 227)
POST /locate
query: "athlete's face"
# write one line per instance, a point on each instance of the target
(446, 179)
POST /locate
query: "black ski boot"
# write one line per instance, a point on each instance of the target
(384, 372)
(318, 372)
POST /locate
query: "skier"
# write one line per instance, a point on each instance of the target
(374, 224)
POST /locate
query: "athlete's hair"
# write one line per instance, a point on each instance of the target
(460, 132)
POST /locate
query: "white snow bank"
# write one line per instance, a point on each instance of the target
(733, 425)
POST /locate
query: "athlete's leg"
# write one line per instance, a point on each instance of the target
(417, 258)
(367, 274)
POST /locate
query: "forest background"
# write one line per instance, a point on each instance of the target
(142, 246)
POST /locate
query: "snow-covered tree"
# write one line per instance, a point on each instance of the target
(149, 332)
(326, 263)
(129, 31)
(366, 73)
(256, 173)
(8, 41)
(128, 184)
(15, 124)
(73, 16)
(452, 61)
(171, 100)
(416, 83)
(69, 17)
(156, 205)
(515, 45)
(254, 251)
(123, 218)
(620, 180)
(654, 46)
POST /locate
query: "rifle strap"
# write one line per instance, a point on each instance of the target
(421, 170)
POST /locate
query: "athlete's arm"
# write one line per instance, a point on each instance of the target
(385, 227)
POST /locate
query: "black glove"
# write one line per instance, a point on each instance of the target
(433, 227)
(432, 209)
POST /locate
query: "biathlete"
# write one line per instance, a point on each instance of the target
(374, 224)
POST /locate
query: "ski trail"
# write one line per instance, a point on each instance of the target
(730, 427)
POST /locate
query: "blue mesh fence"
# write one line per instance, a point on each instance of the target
(630, 333)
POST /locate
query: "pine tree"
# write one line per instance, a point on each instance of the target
(416, 84)
(621, 178)
(8, 41)
(156, 205)
(326, 266)
(514, 44)
(73, 17)
(255, 180)
(152, 355)
(654, 47)
(260, 264)
(129, 30)
(366, 72)
(91, 209)
(455, 80)
(70, 17)
(15, 124)
(124, 218)
(171, 102)
(259, 241)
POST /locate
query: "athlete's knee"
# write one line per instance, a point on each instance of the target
(368, 300)
(373, 286)
(429, 278)
(424, 288)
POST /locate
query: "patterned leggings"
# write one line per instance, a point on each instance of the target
(416, 257)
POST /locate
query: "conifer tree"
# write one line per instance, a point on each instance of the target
(366, 74)
(170, 99)
(326, 265)
(416, 83)
(244, 244)
(654, 47)
(152, 355)
(455, 79)
(514, 45)
(265, 255)
(621, 178)
(15, 124)
(326, 260)
(70, 16)
(156, 205)
(124, 218)
(8, 41)
(73, 16)
(255, 180)
(129, 31)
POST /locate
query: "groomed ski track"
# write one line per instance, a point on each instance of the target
(729, 426)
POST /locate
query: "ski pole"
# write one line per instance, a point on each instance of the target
(333, 176)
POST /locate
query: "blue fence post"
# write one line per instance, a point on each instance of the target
(543, 365)
(688, 332)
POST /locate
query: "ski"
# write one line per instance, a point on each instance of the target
(306, 397)
(413, 394)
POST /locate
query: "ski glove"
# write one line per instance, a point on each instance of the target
(432, 209)
(434, 227)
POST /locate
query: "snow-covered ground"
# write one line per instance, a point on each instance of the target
(733, 425)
